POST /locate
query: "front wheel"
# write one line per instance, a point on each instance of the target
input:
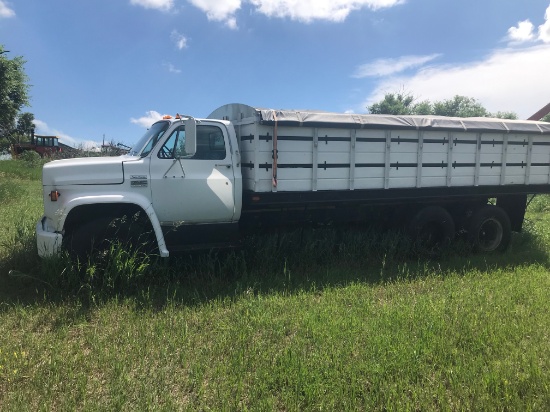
(489, 229)
(96, 236)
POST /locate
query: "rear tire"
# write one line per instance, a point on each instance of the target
(432, 229)
(489, 229)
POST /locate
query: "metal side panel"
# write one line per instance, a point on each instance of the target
(419, 159)
(450, 160)
(353, 136)
(315, 158)
(256, 156)
(387, 163)
(529, 160)
(478, 160)
(503, 162)
(321, 158)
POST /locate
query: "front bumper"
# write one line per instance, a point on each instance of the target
(47, 241)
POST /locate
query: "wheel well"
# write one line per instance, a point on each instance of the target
(86, 213)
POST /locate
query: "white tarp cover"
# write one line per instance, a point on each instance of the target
(236, 112)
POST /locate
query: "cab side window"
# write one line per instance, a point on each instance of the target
(210, 144)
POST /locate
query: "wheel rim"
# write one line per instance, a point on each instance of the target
(490, 235)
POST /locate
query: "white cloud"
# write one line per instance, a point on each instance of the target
(5, 10)
(42, 127)
(522, 33)
(386, 67)
(179, 39)
(506, 80)
(231, 22)
(147, 120)
(219, 10)
(544, 29)
(525, 31)
(163, 5)
(171, 68)
(300, 10)
(309, 10)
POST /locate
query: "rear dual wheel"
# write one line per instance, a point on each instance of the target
(432, 229)
(489, 229)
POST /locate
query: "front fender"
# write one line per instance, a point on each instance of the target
(127, 198)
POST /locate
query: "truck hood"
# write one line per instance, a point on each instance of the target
(85, 171)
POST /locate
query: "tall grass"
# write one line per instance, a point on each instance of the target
(29, 168)
(315, 319)
(304, 256)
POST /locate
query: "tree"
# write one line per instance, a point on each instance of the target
(460, 106)
(423, 108)
(505, 115)
(402, 103)
(25, 125)
(546, 118)
(393, 103)
(13, 91)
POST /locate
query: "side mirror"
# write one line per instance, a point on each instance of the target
(190, 136)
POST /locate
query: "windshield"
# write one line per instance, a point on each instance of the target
(144, 146)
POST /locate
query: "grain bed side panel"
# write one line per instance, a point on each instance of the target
(326, 159)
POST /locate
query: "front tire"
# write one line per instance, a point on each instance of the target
(96, 236)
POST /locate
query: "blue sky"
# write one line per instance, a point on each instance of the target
(111, 67)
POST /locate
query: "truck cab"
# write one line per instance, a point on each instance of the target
(183, 177)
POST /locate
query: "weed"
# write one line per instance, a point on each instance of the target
(31, 159)
(8, 191)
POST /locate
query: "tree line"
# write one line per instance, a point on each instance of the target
(403, 103)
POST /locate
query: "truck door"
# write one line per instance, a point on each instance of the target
(196, 189)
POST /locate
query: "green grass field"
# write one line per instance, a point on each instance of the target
(347, 321)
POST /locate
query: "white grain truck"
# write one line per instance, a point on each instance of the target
(197, 183)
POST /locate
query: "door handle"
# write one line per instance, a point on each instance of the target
(228, 165)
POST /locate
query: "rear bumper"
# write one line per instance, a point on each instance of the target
(47, 241)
